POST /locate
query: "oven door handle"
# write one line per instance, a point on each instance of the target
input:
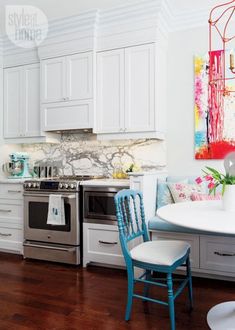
(42, 195)
(50, 247)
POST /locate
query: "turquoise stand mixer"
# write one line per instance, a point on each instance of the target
(18, 167)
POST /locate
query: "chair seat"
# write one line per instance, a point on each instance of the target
(160, 252)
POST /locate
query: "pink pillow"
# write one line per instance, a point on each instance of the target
(205, 197)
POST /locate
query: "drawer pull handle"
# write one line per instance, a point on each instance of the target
(108, 243)
(3, 210)
(5, 235)
(225, 254)
(14, 191)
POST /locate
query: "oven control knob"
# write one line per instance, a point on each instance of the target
(34, 185)
(37, 184)
(66, 185)
(29, 185)
(72, 185)
(61, 185)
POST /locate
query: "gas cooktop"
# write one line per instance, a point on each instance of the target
(59, 183)
(78, 177)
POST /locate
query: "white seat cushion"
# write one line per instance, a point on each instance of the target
(160, 252)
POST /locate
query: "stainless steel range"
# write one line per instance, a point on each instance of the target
(59, 243)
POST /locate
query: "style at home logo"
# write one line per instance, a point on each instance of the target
(26, 26)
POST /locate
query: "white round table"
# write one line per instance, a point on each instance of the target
(207, 216)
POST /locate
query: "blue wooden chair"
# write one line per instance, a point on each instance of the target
(162, 256)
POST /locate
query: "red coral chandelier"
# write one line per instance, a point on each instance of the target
(220, 72)
(217, 58)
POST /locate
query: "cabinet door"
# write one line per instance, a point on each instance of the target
(79, 76)
(31, 100)
(110, 91)
(53, 80)
(139, 88)
(12, 102)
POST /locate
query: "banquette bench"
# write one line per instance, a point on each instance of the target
(211, 255)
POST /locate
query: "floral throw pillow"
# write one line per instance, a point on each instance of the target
(181, 192)
(164, 196)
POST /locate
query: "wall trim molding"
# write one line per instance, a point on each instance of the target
(128, 24)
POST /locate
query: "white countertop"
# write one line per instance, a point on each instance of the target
(6, 180)
(203, 215)
(107, 182)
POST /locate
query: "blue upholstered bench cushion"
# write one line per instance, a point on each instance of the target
(164, 197)
(158, 224)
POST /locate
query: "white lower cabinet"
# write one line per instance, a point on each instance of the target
(193, 240)
(211, 256)
(11, 217)
(217, 253)
(101, 245)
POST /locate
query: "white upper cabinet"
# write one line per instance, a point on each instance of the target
(31, 100)
(22, 101)
(53, 80)
(67, 78)
(126, 90)
(110, 91)
(67, 91)
(79, 76)
(139, 88)
(12, 101)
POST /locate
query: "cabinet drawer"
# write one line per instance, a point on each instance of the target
(193, 240)
(11, 234)
(101, 244)
(217, 253)
(11, 215)
(11, 191)
(11, 239)
(69, 115)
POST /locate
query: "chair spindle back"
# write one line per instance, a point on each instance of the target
(130, 215)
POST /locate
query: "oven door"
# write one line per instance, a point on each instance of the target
(35, 220)
(99, 207)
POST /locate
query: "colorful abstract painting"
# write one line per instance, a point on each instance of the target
(214, 113)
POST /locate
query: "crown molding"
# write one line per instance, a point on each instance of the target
(186, 19)
(70, 35)
(1, 47)
(139, 22)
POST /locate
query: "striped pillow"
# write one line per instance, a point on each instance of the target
(205, 197)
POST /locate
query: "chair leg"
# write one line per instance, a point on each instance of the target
(130, 274)
(190, 288)
(171, 300)
(147, 285)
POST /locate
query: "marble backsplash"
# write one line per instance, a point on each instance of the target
(83, 154)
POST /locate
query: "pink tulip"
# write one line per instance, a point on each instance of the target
(208, 177)
(198, 180)
(211, 185)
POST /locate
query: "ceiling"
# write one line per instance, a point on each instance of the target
(62, 8)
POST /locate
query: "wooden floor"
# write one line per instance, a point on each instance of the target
(41, 295)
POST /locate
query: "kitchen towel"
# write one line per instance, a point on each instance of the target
(56, 214)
